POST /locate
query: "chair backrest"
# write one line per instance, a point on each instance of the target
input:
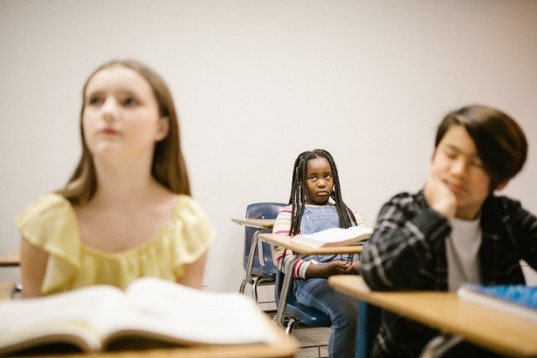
(263, 263)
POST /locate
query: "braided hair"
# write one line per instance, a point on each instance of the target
(297, 200)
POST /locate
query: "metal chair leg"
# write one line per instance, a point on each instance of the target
(243, 285)
(290, 325)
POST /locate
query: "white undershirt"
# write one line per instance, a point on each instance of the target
(462, 248)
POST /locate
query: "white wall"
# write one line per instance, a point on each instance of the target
(256, 82)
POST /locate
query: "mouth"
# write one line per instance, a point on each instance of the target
(457, 189)
(109, 131)
(322, 193)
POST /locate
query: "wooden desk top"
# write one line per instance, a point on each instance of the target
(258, 223)
(6, 290)
(287, 348)
(487, 327)
(285, 241)
(10, 260)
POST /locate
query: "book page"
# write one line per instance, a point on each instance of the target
(66, 317)
(335, 236)
(183, 315)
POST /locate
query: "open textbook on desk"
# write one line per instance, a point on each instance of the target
(335, 237)
(98, 317)
(520, 300)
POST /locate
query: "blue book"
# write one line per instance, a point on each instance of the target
(520, 300)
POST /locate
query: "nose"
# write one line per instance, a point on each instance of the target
(459, 167)
(109, 110)
(321, 183)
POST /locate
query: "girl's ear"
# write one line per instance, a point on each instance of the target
(163, 128)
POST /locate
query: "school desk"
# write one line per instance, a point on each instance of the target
(10, 260)
(286, 346)
(495, 330)
(300, 251)
(6, 290)
(260, 224)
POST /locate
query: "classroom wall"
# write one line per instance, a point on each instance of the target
(257, 82)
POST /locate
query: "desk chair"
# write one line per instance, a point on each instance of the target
(263, 270)
(295, 312)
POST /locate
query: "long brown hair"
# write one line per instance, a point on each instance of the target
(168, 166)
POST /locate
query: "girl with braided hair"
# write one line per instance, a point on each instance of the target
(315, 180)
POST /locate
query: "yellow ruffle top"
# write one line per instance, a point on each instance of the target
(50, 223)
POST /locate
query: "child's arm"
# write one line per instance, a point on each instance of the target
(305, 269)
(403, 241)
(33, 266)
(282, 256)
(194, 273)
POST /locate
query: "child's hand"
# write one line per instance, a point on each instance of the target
(439, 196)
(353, 269)
(328, 269)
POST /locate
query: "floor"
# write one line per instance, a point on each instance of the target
(312, 340)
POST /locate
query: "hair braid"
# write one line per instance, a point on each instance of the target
(346, 217)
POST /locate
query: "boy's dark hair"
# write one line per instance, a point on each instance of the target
(297, 199)
(500, 141)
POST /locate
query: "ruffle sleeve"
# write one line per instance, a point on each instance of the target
(50, 224)
(192, 234)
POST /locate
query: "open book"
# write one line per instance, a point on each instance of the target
(519, 300)
(159, 312)
(335, 237)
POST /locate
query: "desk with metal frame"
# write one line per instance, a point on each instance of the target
(300, 251)
(492, 329)
(10, 260)
(260, 224)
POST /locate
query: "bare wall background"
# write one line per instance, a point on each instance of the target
(256, 82)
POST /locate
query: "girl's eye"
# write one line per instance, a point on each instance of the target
(95, 101)
(450, 155)
(130, 102)
(312, 178)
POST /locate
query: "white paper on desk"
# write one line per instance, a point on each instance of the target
(335, 237)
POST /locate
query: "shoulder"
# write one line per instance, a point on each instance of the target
(46, 207)
(188, 209)
(407, 200)
(285, 211)
(403, 205)
(191, 215)
(505, 207)
(47, 221)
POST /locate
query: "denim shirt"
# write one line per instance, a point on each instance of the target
(318, 218)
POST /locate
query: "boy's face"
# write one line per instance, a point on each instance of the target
(319, 181)
(458, 165)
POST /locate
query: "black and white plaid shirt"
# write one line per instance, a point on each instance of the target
(407, 252)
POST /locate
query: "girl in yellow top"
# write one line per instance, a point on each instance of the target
(126, 211)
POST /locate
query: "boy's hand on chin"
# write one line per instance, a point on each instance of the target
(439, 197)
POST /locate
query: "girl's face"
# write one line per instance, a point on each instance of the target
(457, 163)
(319, 181)
(121, 113)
